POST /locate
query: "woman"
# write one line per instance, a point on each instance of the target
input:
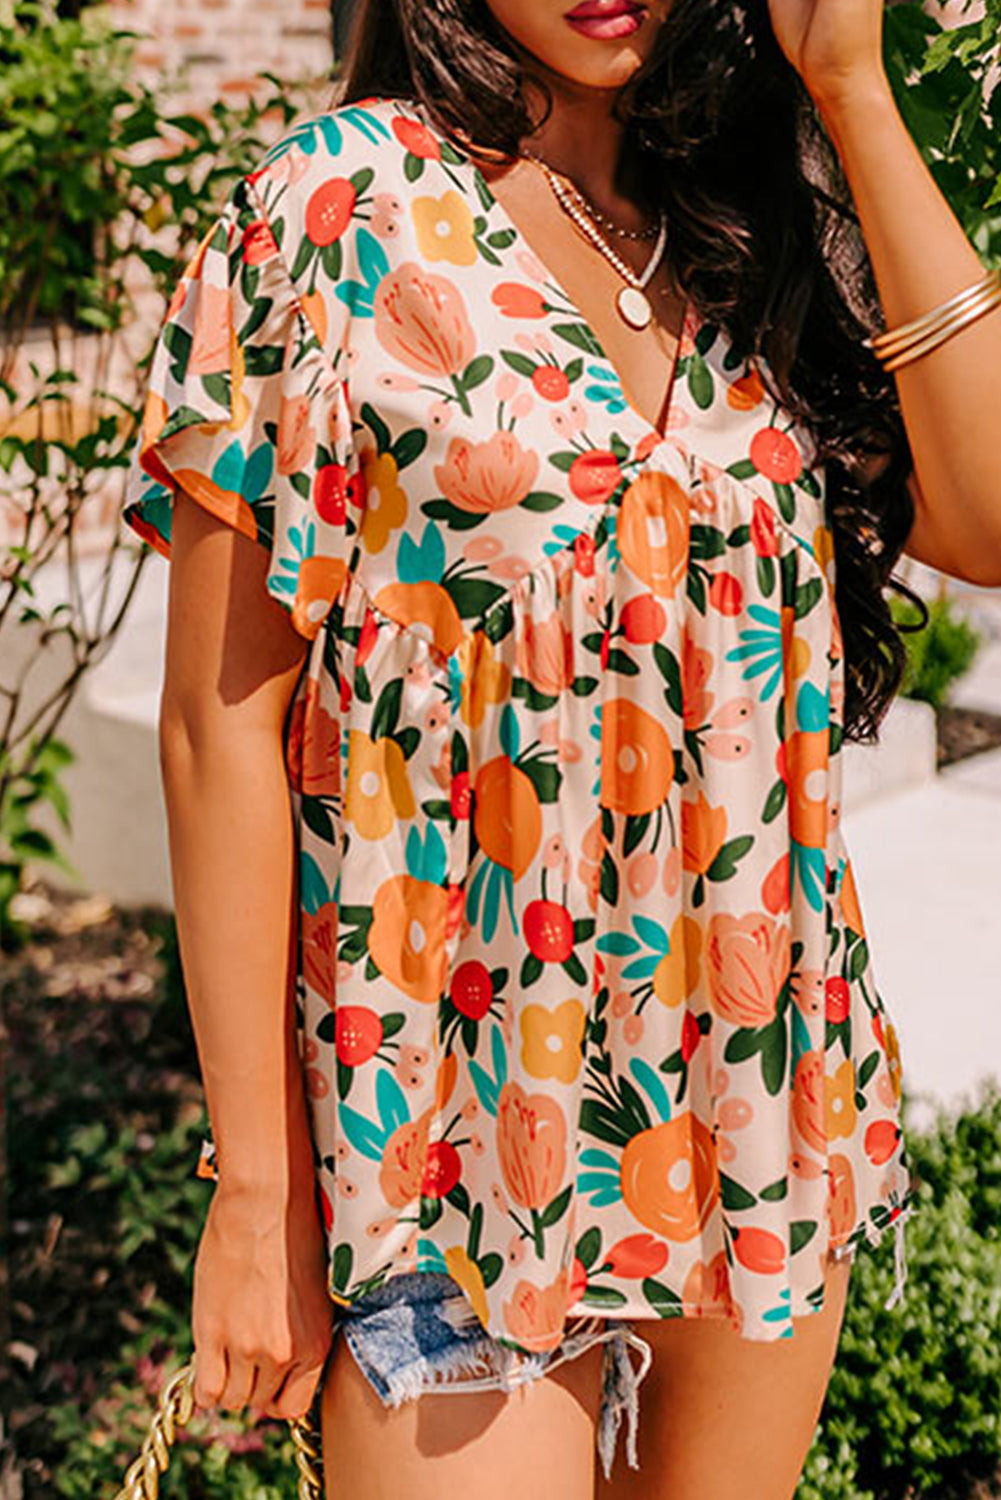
(536, 367)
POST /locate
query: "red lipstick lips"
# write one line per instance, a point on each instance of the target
(606, 20)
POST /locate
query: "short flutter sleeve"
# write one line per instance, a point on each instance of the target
(246, 412)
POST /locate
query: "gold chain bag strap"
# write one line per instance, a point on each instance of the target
(174, 1408)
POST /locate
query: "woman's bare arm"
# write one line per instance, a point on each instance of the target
(232, 661)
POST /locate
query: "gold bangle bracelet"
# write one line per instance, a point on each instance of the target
(943, 320)
(897, 342)
(917, 327)
(990, 299)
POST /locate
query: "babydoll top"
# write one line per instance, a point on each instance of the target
(585, 1005)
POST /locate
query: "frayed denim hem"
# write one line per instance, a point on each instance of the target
(421, 1341)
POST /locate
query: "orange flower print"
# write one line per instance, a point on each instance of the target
(485, 678)
(707, 1287)
(696, 672)
(545, 654)
(652, 531)
(850, 908)
(489, 476)
(669, 1177)
(403, 1160)
(385, 499)
(507, 816)
(637, 763)
(551, 1040)
(840, 1093)
(421, 320)
(802, 763)
(745, 394)
(211, 335)
(534, 1316)
(445, 228)
(531, 1145)
(841, 1201)
(407, 937)
(378, 788)
(703, 833)
(296, 440)
(809, 1115)
(589, 865)
(319, 950)
(747, 962)
(314, 746)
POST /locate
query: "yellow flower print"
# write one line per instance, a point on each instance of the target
(841, 1101)
(385, 500)
(378, 789)
(445, 228)
(239, 405)
(463, 1269)
(484, 679)
(893, 1059)
(823, 548)
(550, 1040)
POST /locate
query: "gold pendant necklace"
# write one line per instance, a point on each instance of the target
(632, 303)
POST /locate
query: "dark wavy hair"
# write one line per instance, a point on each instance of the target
(765, 241)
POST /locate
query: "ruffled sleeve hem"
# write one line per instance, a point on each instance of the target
(246, 412)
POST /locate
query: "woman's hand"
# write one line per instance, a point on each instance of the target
(262, 1319)
(834, 45)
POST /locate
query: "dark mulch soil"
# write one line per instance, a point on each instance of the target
(966, 731)
(90, 1041)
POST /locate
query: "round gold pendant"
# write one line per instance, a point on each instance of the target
(634, 308)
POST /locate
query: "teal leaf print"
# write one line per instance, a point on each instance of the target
(366, 1137)
(422, 562)
(391, 1101)
(606, 389)
(374, 265)
(647, 1078)
(313, 888)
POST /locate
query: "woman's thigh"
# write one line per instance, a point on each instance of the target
(729, 1417)
(535, 1442)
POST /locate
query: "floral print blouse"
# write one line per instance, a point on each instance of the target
(585, 1003)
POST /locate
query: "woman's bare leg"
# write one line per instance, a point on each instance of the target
(727, 1418)
(536, 1442)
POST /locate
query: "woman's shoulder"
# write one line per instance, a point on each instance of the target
(329, 162)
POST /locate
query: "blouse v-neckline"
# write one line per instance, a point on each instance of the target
(650, 432)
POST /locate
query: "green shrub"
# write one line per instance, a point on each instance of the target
(914, 1404)
(938, 654)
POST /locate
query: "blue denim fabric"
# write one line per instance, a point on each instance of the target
(417, 1334)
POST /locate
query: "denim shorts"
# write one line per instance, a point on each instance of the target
(417, 1334)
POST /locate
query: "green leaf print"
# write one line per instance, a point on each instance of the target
(801, 1232)
(490, 1267)
(409, 446)
(725, 864)
(775, 1191)
(665, 1303)
(774, 802)
(386, 713)
(603, 1296)
(765, 569)
(580, 335)
(774, 1053)
(706, 541)
(786, 500)
(554, 1211)
(700, 382)
(456, 519)
(808, 596)
(377, 426)
(588, 1247)
(477, 371)
(733, 1195)
(519, 363)
(541, 500)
